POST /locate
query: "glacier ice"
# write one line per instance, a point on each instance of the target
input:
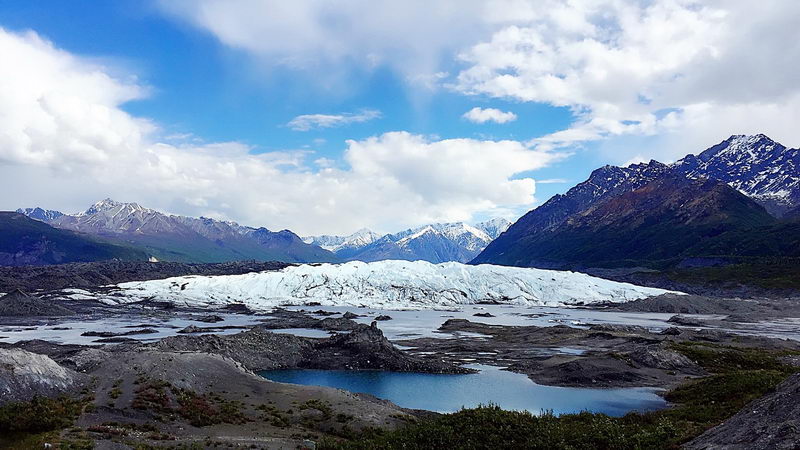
(388, 285)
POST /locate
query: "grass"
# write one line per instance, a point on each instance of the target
(740, 375)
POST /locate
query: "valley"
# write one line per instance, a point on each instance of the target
(623, 308)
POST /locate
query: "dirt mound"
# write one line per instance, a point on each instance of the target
(20, 304)
(24, 375)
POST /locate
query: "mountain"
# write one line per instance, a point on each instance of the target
(25, 241)
(754, 165)
(605, 182)
(186, 239)
(655, 214)
(388, 285)
(360, 238)
(663, 222)
(435, 243)
(44, 215)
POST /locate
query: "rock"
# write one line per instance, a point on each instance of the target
(349, 315)
(336, 324)
(671, 331)
(237, 308)
(24, 375)
(771, 422)
(111, 334)
(115, 340)
(486, 314)
(659, 357)
(364, 348)
(617, 328)
(383, 317)
(213, 318)
(20, 304)
(191, 329)
(686, 321)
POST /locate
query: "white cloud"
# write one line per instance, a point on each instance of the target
(480, 115)
(688, 72)
(65, 142)
(413, 36)
(653, 68)
(552, 181)
(309, 122)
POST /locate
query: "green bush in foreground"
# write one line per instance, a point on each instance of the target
(40, 414)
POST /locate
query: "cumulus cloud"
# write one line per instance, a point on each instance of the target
(685, 73)
(481, 115)
(694, 72)
(65, 142)
(309, 122)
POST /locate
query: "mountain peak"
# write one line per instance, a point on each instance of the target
(108, 204)
(43, 215)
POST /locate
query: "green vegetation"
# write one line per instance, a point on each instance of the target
(40, 414)
(740, 376)
(30, 424)
(766, 273)
(199, 409)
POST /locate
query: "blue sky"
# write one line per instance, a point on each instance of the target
(211, 80)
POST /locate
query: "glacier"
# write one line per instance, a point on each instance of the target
(387, 284)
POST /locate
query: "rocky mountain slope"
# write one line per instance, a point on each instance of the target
(24, 241)
(439, 242)
(653, 214)
(669, 220)
(755, 165)
(184, 239)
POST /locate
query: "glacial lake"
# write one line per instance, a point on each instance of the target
(449, 393)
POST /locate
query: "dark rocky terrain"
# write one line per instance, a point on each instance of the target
(772, 422)
(20, 304)
(94, 274)
(602, 355)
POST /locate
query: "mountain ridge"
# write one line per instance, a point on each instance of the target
(752, 166)
(438, 242)
(186, 239)
(27, 241)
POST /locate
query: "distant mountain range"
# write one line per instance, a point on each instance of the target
(188, 239)
(439, 242)
(25, 241)
(180, 238)
(738, 198)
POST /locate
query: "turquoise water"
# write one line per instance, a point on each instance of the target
(449, 393)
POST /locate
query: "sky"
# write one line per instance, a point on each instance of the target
(327, 117)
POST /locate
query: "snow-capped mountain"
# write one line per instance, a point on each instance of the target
(42, 215)
(755, 165)
(436, 243)
(360, 238)
(181, 238)
(493, 227)
(388, 284)
(764, 171)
